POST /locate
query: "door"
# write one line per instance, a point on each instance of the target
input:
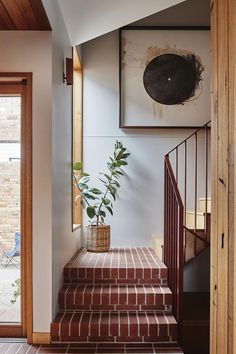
(15, 205)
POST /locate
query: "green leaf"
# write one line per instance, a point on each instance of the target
(77, 166)
(126, 155)
(109, 209)
(115, 164)
(102, 213)
(116, 183)
(108, 177)
(112, 189)
(123, 163)
(83, 186)
(113, 195)
(84, 174)
(104, 182)
(102, 219)
(106, 201)
(90, 212)
(95, 191)
(118, 154)
(88, 196)
(120, 173)
(84, 179)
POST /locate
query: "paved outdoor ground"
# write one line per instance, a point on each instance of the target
(8, 312)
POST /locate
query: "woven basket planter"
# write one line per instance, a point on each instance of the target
(98, 238)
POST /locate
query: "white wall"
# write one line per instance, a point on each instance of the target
(31, 52)
(139, 210)
(64, 242)
(89, 19)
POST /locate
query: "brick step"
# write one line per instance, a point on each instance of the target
(113, 326)
(118, 266)
(115, 297)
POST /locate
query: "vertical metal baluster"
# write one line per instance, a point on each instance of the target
(206, 181)
(185, 192)
(195, 193)
(177, 165)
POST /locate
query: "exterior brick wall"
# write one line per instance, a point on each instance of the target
(9, 203)
(9, 118)
(9, 172)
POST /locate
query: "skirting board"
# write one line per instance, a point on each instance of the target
(41, 338)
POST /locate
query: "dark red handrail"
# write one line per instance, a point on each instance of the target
(175, 211)
(196, 152)
(173, 241)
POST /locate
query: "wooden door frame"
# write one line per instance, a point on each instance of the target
(223, 226)
(26, 208)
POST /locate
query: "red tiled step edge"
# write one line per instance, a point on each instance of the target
(113, 326)
(118, 266)
(115, 297)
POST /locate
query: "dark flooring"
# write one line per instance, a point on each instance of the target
(196, 328)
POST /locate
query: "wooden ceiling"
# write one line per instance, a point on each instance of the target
(23, 15)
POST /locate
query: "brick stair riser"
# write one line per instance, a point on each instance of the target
(66, 339)
(113, 327)
(166, 308)
(98, 275)
(101, 298)
(121, 281)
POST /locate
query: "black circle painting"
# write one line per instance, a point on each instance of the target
(172, 79)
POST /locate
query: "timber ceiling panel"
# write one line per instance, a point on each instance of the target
(23, 15)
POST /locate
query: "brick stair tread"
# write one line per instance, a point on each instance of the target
(107, 325)
(72, 296)
(117, 263)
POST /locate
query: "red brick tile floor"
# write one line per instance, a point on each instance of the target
(102, 348)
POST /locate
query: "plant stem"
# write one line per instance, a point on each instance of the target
(80, 190)
(104, 196)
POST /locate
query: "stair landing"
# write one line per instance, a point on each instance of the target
(117, 266)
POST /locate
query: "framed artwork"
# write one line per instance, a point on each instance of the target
(164, 77)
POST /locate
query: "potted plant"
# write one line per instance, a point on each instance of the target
(98, 202)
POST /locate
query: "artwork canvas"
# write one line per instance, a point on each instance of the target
(164, 77)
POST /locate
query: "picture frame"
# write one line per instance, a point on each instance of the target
(138, 47)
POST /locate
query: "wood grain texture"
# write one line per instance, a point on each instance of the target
(23, 15)
(214, 211)
(223, 248)
(232, 173)
(77, 132)
(41, 338)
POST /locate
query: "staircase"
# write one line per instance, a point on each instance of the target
(118, 297)
(187, 207)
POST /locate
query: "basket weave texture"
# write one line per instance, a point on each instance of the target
(98, 238)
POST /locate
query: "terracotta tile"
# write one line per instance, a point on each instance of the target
(106, 273)
(127, 307)
(101, 339)
(128, 339)
(123, 273)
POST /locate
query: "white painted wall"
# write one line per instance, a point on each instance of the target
(64, 242)
(139, 210)
(32, 52)
(89, 19)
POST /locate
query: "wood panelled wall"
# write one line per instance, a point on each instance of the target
(23, 15)
(223, 243)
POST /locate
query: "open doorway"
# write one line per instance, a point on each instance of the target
(15, 206)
